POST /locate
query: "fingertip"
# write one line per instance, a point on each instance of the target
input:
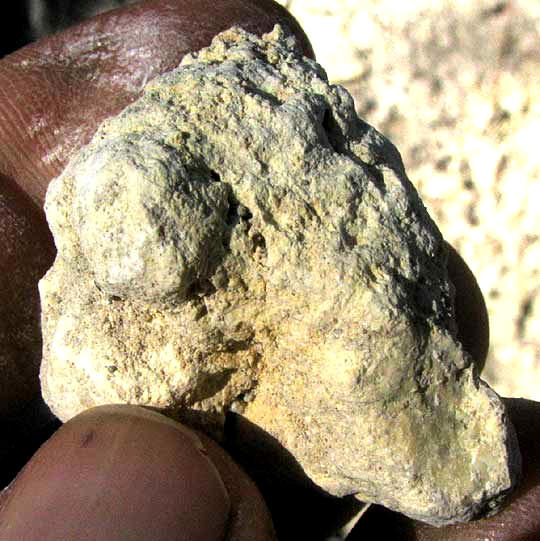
(118, 469)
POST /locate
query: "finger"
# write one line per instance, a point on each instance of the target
(123, 472)
(27, 251)
(55, 92)
(471, 312)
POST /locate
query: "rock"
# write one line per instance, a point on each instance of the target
(239, 240)
(425, 67)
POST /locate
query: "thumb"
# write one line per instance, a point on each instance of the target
(124, 472)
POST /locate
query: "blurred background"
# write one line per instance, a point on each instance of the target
(456, 86)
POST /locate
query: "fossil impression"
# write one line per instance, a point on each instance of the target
(239, 240)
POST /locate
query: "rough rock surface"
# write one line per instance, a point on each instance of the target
(424, 67)
(238, 239)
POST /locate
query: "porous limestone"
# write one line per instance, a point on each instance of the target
(239, 240)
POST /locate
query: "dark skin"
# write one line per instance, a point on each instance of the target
(122, 472)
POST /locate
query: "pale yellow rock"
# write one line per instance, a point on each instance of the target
(239, 240)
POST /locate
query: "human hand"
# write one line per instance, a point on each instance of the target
(123, 468)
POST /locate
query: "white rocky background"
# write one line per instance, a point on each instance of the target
(456, 86)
